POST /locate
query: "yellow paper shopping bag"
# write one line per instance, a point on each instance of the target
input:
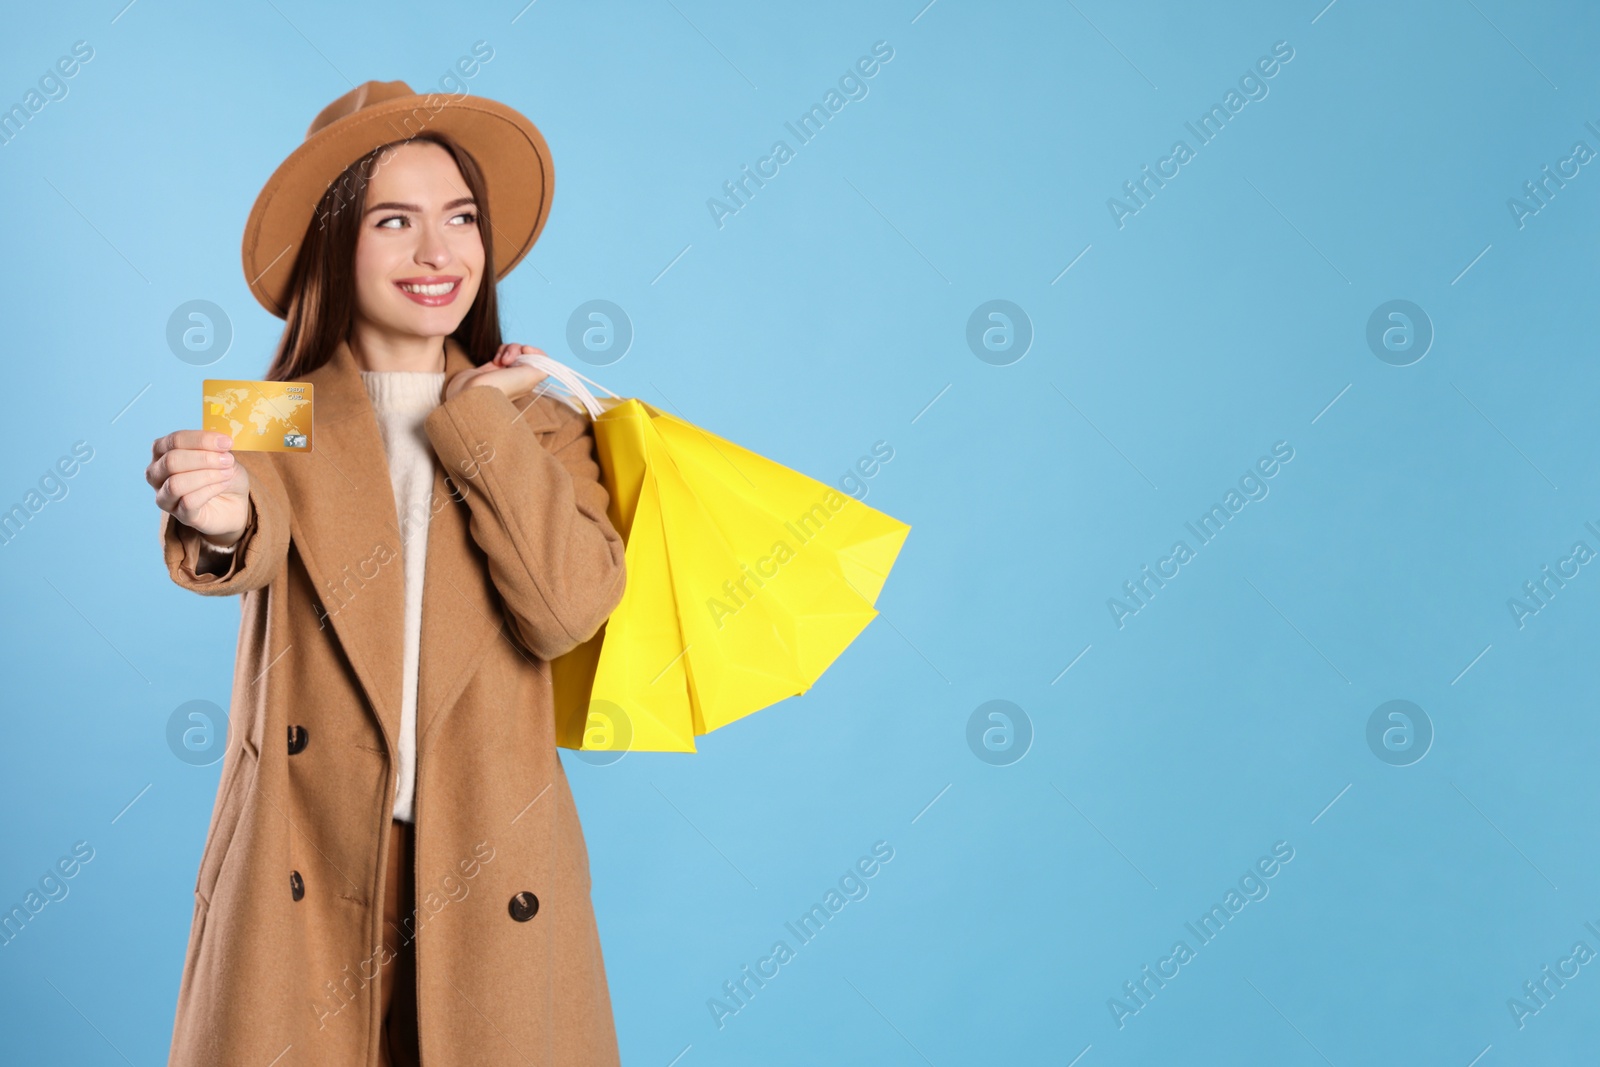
(746, 580)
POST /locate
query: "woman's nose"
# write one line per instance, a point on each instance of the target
(432, 249)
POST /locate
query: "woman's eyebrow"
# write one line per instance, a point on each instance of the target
(392, 206)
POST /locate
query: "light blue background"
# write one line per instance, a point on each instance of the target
(1229, 714)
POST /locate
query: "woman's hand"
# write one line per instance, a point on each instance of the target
(197, 479)
(500, 373)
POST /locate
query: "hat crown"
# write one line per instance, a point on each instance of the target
(367, 94)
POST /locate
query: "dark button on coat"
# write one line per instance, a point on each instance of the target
(522, 565)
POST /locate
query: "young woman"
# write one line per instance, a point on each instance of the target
(394, 866)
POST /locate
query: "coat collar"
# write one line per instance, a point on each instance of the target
(346, 524)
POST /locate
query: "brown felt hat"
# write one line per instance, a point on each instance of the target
(509, 149)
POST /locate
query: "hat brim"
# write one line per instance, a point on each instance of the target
(509, 150)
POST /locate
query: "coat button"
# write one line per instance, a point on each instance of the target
(298, 736)
(524, 906)
(296, 885)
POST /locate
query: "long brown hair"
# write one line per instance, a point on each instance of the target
(322, 289)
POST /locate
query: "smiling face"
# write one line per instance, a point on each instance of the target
(419, 255)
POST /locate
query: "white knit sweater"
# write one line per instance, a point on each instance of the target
(401, 400)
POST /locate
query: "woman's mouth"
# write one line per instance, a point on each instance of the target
(430, 292)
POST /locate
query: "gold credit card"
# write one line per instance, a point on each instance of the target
(259, 416)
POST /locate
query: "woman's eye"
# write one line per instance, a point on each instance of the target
(399, 221)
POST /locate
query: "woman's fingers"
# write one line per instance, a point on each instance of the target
(519, 380)
(193, 459)
(184, 494)
(181, 460)
(190, 469)
(508, 353)
(505, 359)
(469, 377)
(191, 502)
(195, 456)
(190, 439)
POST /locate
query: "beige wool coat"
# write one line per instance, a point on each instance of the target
(522, 565)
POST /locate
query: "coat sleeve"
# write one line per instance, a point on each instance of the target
(538, 512)
(258, 555)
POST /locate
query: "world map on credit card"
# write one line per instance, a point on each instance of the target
(259, 416)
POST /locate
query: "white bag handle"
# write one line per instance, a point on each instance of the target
(575, 394)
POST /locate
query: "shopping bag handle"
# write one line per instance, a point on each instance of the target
(572, 381)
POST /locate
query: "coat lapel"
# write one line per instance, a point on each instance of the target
(344, 520)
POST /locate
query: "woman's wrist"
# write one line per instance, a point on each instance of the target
(225, 542)
(222, 542)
